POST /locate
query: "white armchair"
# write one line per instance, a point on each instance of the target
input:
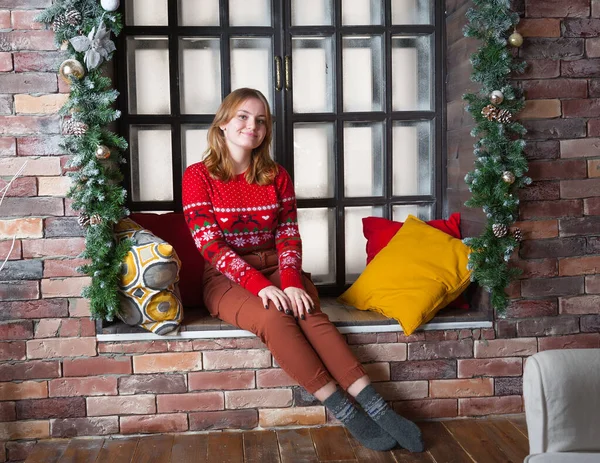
(561, 389)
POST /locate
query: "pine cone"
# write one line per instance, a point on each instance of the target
(77, 128)
(95, 219)
(499, 230)
(83, 220)
(504, 116)
(73, 17)
(490, 112)
(517, 234)
(58, 23)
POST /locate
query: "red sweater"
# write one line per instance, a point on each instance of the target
(229, 219)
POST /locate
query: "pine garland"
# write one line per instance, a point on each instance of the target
(96, 191)
(500, 165)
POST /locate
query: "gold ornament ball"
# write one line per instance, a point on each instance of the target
(496, 97)
(508, 177)
(71, 67)
(515, 39)
(102, 152)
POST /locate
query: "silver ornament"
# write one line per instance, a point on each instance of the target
(496, 97)
(110, 5)
(508, 177)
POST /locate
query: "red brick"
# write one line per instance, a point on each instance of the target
(51, 408)
(558, 170)
(180, 346)
(592, 50)
(586, 265)
(19, 290)
(223, 380)
(4, 19)
(37, 429)
(540, 69)
(144, 347)
(402, 390)
(29, 125)
(441, 335)
(560, 247)
(534, 109)
(121, 405)
(29, 370)
(540, 191)
(469, 368)
(38, 61)
(581, 108)
(362, 338)
(25, 19)
(5, 248)
(547, 287)
(31, 167)
(580, 188)
(581, 67)
(537, 268)
(55, 247)
(589, 304)
(7, 412)
(19, 450)
(20, 187)
(440, 350)
(97, 366)
(16, 330)
(450, 388)
(593, 127)
(73, 427)
(43, 146)
(580, 27)
(24, 390)
(586, 147)
(427, 408)
(272, 377)
(543, 129)
(258, 399)
(579, 226)
(542, 150)
(557, 9)
(378, 371)
(426, 369)
(34, 309)
(28, 40)
(538, 229)
(190, 402)
(479, 406)
(228, 419)
(525, 308)
(540, 27)
(152, 384)
(6, 62)
(592, 284)
(548, 326)
(79, 307)
(160, 363)
(72, 327)
(65, 347)
(379, 352)
(573, 341)
(595, 9)
(551, 209)
(14, 350)
(505, 348)
(251, 358)
(101, 385)
(176, 422)
(8, 147)
(47, 328)
(300, 416)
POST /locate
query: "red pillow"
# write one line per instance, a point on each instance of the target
(172, 228)
(379, 231)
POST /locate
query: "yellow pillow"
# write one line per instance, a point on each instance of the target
(420, 271)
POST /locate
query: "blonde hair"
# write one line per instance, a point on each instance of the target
(262, 169)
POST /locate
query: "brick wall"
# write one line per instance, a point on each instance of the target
(56, 380)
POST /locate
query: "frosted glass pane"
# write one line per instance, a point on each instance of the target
(198, 12)
(400, 213)
(412, 145)
(148, 75)
(361, 12)
(312, 12)
(252, 65)
(411, 12)
(151, 168)
(146, 13)
(317, 229)
(200, 75)
(356, 244)
(363, 159)
(250, 12)
(194, 143)
(312, 74)
(362, 73)
(411, 73)
(314, 172)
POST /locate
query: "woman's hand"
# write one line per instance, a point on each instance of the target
(300, 300)
(276, 296)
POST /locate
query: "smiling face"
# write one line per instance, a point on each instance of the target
(246, 130)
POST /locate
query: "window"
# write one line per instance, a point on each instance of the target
(356, 91)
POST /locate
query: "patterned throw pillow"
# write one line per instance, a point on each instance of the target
(148, 289)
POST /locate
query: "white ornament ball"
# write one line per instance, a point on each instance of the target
(110, 5)
(496, 97)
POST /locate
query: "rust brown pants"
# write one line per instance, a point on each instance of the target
(311, 351)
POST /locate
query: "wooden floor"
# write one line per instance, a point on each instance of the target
(487, 440)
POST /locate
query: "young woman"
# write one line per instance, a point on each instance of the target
(241, 209)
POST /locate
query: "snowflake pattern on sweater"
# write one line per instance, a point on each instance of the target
(230, 219)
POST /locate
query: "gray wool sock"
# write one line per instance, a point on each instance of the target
(406, 433)
(358, 423)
